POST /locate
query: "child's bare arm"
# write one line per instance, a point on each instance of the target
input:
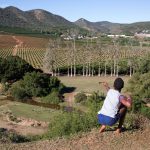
(105, 84)
(126, 100)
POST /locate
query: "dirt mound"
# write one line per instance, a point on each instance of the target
(133, 140)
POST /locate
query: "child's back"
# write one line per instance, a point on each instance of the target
(111, 103)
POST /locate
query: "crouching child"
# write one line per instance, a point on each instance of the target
(115, 106)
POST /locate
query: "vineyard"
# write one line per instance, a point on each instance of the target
(30, 49)
(51, 56)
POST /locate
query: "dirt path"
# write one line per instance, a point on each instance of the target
(69, 98)
(18, 44)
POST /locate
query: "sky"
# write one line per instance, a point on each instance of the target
(119, 11)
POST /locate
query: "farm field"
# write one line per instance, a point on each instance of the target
(64, 53)
(9, 41)
(30, 49)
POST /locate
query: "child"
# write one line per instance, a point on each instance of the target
(114, 107)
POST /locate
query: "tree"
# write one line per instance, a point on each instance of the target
(34, 84)
(14, 68)
(51, 58)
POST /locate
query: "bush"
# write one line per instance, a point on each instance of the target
(34, 84)
(145, 111)
(142, 65)
(10, 136)
(52, 98)
(13, 68)
(139, 85)
(71, 123)
(80, 97)
(18, 91)
(74, 122)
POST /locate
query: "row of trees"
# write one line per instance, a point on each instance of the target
(91, 57)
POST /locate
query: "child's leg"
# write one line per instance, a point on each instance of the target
(122, 112)
(102, 129)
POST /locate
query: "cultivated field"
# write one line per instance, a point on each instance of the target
(30, 49)
(66, 53)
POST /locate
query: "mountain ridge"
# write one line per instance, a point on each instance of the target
(39, 19)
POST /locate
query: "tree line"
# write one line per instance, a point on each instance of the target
(92, 57)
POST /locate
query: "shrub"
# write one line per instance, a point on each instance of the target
(145, 111)
(18, 91)
(143, 64)
(13, 68)
(80, 97)
(11, 136)
(139, 85)
(74, 122)
(52, 98)
(71, 123)
(34, 84)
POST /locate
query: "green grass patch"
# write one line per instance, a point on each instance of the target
(33, 112)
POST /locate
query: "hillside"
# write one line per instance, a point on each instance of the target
(133, 140)
(42, 20)
(33, 19)
(103, 26)
(113, 28)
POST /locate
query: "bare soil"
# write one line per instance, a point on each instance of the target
(22, 129)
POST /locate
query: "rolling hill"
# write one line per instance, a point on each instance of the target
(103, 26)
(113, 28)
(42, 20)
(37, 19)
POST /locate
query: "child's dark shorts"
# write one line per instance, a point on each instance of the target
(106, 120)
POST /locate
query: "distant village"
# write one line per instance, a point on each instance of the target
(142, 34)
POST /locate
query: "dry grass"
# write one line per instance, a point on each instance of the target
(90, 84)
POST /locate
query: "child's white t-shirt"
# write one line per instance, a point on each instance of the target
(111, 102)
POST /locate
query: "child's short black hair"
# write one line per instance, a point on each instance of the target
(118, 84)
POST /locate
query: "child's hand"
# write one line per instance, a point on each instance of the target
(105, 84)
(128, 95)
